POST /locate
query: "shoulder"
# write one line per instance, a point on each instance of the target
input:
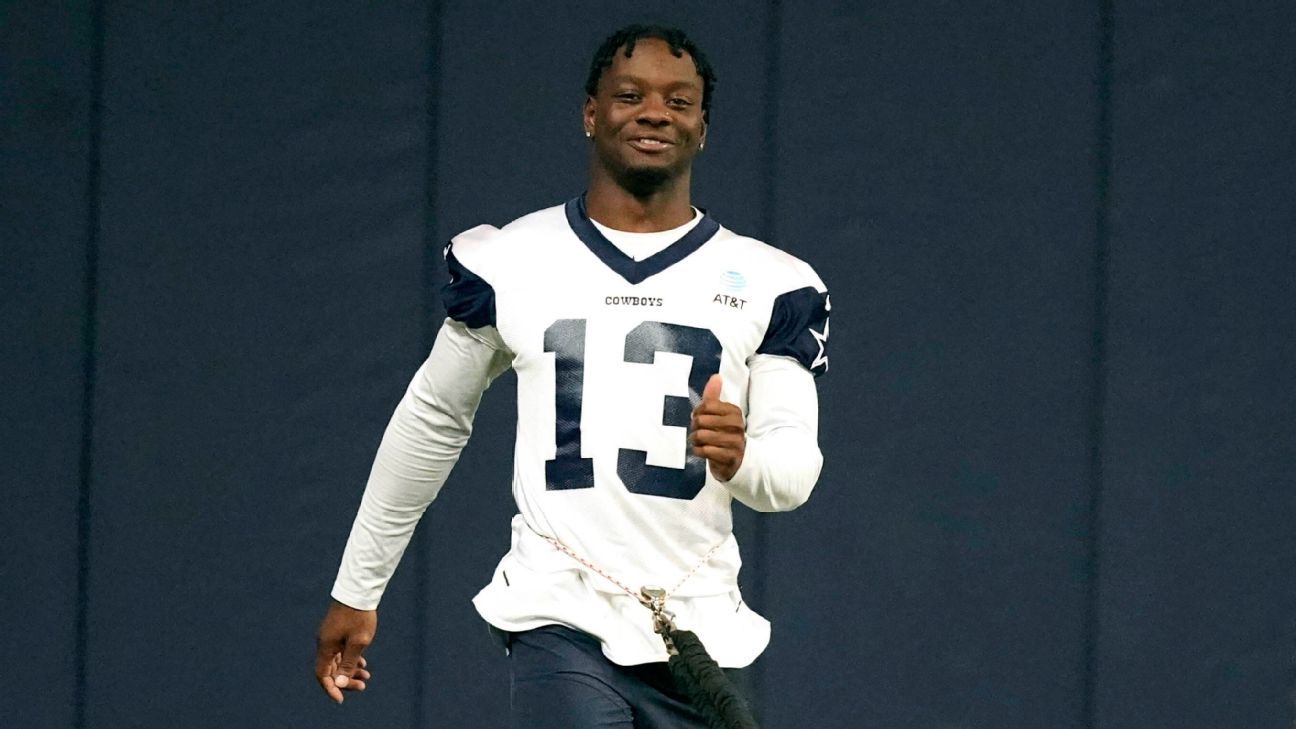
(471, 243)
(480, 257)
(797, 327)
(777, 270)
(486, 246)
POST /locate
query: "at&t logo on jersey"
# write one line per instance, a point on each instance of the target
(733, 282)
(732, 302)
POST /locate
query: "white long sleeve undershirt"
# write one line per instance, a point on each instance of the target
(423, 440)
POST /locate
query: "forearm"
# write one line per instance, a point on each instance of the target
(778, 471)
(781, 462)
(419, 448)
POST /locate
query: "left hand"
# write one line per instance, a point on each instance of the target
(343, 635)
(719, 434)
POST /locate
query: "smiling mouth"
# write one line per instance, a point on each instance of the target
(645, 144)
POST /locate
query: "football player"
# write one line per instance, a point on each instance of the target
(665, 368)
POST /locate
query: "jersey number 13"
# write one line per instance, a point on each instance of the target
(567, 470)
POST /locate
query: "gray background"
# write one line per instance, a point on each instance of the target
(1058, 431)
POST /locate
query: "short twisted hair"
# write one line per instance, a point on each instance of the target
(674, 37)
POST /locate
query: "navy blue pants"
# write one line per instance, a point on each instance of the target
(560, 679)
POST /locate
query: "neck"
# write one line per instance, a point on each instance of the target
(619, 206)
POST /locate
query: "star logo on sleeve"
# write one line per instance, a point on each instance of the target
(821, 338)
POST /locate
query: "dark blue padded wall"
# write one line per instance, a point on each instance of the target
(276, 180)
(45, 131)
(1198, 598)
(936, 163)
(261, 287)
(508, 141)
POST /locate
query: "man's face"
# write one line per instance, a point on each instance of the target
(646, 120)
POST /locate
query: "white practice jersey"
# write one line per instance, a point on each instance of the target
(611, 356)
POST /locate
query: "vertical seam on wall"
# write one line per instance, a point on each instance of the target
(1098, 386)
(769, 127)
(769, 194)
(89, 344)
(428, 328)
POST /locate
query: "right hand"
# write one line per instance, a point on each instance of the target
(717, 432)
(343, 635)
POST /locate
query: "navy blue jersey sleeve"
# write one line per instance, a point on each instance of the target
(798, 328)
(467, 297)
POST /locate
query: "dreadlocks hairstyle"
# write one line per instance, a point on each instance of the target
(674, 37)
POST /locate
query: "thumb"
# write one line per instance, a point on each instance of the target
(712, 390)
(347, 666)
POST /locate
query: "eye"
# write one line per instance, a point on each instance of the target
(629, 97)
(680, 102)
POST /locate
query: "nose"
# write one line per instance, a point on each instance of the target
(654, 111)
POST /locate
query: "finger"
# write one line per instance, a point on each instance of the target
(357, 681)
(717, 454)
(716, 407)
(709, 421)
(712, 389)
(722, 438)
(326, 682)
(718, 449)
(350, 661)
(722, 464)
(333, 692)
(325, 664)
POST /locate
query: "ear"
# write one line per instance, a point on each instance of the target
(587, 116)
(702, 139)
